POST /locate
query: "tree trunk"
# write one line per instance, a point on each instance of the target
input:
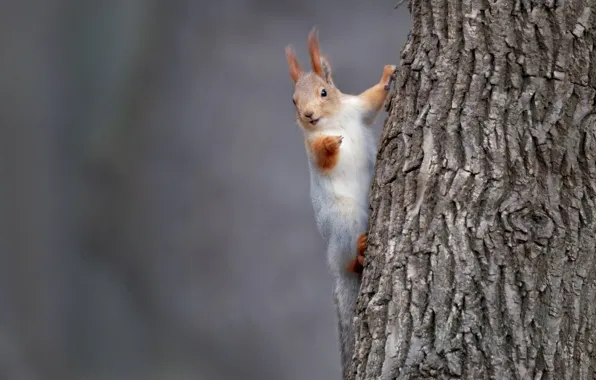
(481, 258)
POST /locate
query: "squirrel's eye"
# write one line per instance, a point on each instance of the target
(323, 93)
(294, 101)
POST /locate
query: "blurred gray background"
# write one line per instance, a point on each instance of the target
(154, 199)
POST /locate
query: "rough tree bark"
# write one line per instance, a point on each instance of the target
(481, 259)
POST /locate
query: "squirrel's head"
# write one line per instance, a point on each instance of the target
(315, 96)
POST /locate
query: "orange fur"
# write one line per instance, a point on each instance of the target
(375, 96)
(314, 50)
(295, 69)
(356, 265)
(362, 244)
(326, 151)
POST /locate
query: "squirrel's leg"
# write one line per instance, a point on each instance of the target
(374, 97)
(356, 265)
(326, 151)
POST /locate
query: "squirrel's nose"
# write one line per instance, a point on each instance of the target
(308, 114)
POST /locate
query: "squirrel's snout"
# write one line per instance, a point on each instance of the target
(309, 117)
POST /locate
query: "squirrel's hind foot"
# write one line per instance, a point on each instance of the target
(356, 265)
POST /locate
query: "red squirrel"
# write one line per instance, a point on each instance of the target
(341, 150)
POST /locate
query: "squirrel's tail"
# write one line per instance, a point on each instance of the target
(346, 286)
(345, 292)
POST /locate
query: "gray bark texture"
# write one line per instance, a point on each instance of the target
(481, 256)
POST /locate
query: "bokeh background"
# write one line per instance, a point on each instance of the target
(155, 216)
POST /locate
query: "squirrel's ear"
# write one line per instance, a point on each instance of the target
(295, 69)
(315, 53)
(327, 73)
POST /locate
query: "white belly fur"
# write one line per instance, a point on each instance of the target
(340, 196)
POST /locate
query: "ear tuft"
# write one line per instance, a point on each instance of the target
(315, 52)
(295, 69)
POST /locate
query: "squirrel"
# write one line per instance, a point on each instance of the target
(341, 150)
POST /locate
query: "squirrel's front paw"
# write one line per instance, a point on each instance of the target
(332, 143)
(326, 151)
(389, 75)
